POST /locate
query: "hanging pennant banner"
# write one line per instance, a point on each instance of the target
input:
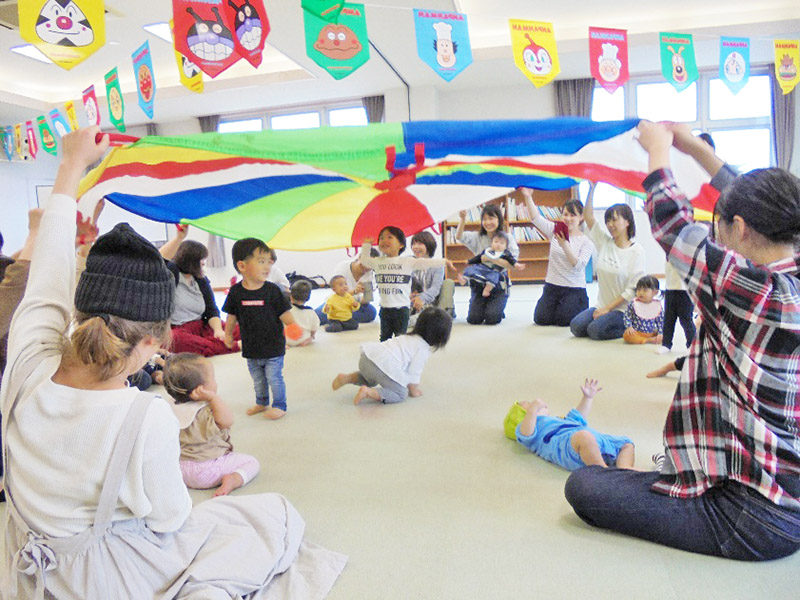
(48, 139)
(339, 48)
(116, 106)
(734, 62)
(678, 64)
(608, 57)
(65, 31)
(18, 140)
(327, 10)
(33, 147)
(90, 106)
(204, 34)
(787, 59)
(59, 123)
(191, 76)
(443, 41)
(8, 141)
(249, 18)
(145, 81)
(534, 46)
(69, 108)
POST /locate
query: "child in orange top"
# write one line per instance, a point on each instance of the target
(340, 306)
(644, 317)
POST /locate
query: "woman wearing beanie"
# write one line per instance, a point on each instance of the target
(96, 502)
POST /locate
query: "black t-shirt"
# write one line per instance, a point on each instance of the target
(258, 313)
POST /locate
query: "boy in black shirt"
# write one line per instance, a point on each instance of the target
(261, 309)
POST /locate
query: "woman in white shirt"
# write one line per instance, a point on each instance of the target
(620, 264)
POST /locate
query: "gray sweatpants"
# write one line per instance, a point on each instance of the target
(370, 374)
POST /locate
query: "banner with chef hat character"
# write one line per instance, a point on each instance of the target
(72, 116)
(90, 106)
(443, 41)
(145, 80)
(250, 28)
(116, 105)
(734, 62)
(533, 44)
(203, 33)
(678, 65)
(48, 139)
(787, 64)
(608, 57)
(59, 122)
(8, 141)
(30, 134)
(339, 48)
(65, 31)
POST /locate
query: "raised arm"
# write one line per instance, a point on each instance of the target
(588, 208)
(169, 249)
(462, 220)
(544, 225)
(589, 390)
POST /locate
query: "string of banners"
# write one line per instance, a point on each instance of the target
(211, 35)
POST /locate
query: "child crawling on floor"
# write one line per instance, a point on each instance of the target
(568, 442)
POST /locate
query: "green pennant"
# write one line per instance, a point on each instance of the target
(116, 105)
(678, 65)
(339, 48)
(327, 10)
(47, 137)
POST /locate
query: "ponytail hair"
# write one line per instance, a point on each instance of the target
(105, 342)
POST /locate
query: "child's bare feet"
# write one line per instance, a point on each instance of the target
(343, 379)
(255, 409)
(414, 391)
(273, 413)
(230, 482)
(661, 371)
(366, 392)
(655, 340)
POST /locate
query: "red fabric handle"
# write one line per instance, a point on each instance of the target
(116, 139)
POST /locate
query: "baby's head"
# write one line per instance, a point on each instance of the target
(338, 284)
(499, 241)
(517, 413)
(646, 289)
(184, 373)
(300, 292)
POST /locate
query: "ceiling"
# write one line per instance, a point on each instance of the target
(288, 77)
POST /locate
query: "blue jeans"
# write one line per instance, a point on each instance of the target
(268, 372)
(559, 305)
(366, 313)
(731, 520)
(610, 326)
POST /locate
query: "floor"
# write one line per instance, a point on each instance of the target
(430, 500)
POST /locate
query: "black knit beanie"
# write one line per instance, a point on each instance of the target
(125, 276)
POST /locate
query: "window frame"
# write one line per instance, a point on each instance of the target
(266, 115)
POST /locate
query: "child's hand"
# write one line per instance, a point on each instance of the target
(520, 266)
(630, 331)
(590, 388)
(462, 215)
(202, 394)
(366, 240)
(527, 192)
(228, 341)
(359, 289)
(80, 148)
(461, 279)
(654, 136)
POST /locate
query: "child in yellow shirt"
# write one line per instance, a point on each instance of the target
(340, 306)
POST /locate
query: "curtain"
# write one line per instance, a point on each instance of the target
(216, 245)
(782, 123)
(151, 128)
(374, 105)
(574, 97)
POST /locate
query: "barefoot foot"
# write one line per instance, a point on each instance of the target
(343, 379)
(230, 482)
(273, 414)
(255, 409)
(661, 371)
(366, 392)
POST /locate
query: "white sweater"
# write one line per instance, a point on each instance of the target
(60, 438)
(618, 269)
(402, 358)
(559, 270)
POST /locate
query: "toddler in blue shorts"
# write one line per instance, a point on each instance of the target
(568, 442)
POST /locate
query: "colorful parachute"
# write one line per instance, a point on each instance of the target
(326, 188)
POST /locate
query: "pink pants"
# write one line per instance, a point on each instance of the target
(198, 337)
(208, 473)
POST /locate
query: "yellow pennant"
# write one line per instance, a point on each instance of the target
(191, 76)
(787, 64)
(534, 46)
(18, 139)
(66, 31)
(72, 117)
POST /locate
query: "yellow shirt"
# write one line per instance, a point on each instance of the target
(340, 308)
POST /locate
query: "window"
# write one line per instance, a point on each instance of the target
(305, 120)
(604, 195)
(745, 149)
(240, 126)
(608, 107)
(342, 117)
(753, 100)
(662, 102)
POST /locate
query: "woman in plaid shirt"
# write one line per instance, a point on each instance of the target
(730, 484)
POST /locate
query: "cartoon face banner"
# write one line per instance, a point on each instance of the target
(191, 76)
(18, 139)
(251, 27)
(787, 60)
(145, 81)
(8, 141)
(72, 116)
(327, 10)
(339, 48)
(203, 34)
(678, 65)
(443, 41)
(116, 106)
(90, 106)
(48, 139)
(608, 57)
(59, 122)
(734, 62)
(30, 134)
(534, 46)
(66, 31)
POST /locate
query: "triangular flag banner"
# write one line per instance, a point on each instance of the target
(327, 10)
(8, 141)
(339, 48)
(72, 116)
(734, 62)
(443, 41)
(251, 26)
(145, 81)
(18, 140)
(608, 57)
(678, 64)
(203, 33)
(48, 139)
(59, 123)
(191, 76)
(116, 106)
(65, 31)
(787, 59)
(534, 46)
(33, 147)
(90, 106)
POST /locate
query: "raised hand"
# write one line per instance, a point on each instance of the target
(590, 388)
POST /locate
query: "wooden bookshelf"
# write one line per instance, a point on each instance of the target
(534, 247)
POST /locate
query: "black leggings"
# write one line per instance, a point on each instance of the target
(394, 321)
(678, 305)
(559, 305)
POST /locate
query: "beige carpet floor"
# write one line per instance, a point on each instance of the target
(430, 500)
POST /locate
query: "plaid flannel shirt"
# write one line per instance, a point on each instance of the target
(736, 411)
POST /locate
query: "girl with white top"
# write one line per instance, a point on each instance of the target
(564, 294)
(390, 371)
(620, 265)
